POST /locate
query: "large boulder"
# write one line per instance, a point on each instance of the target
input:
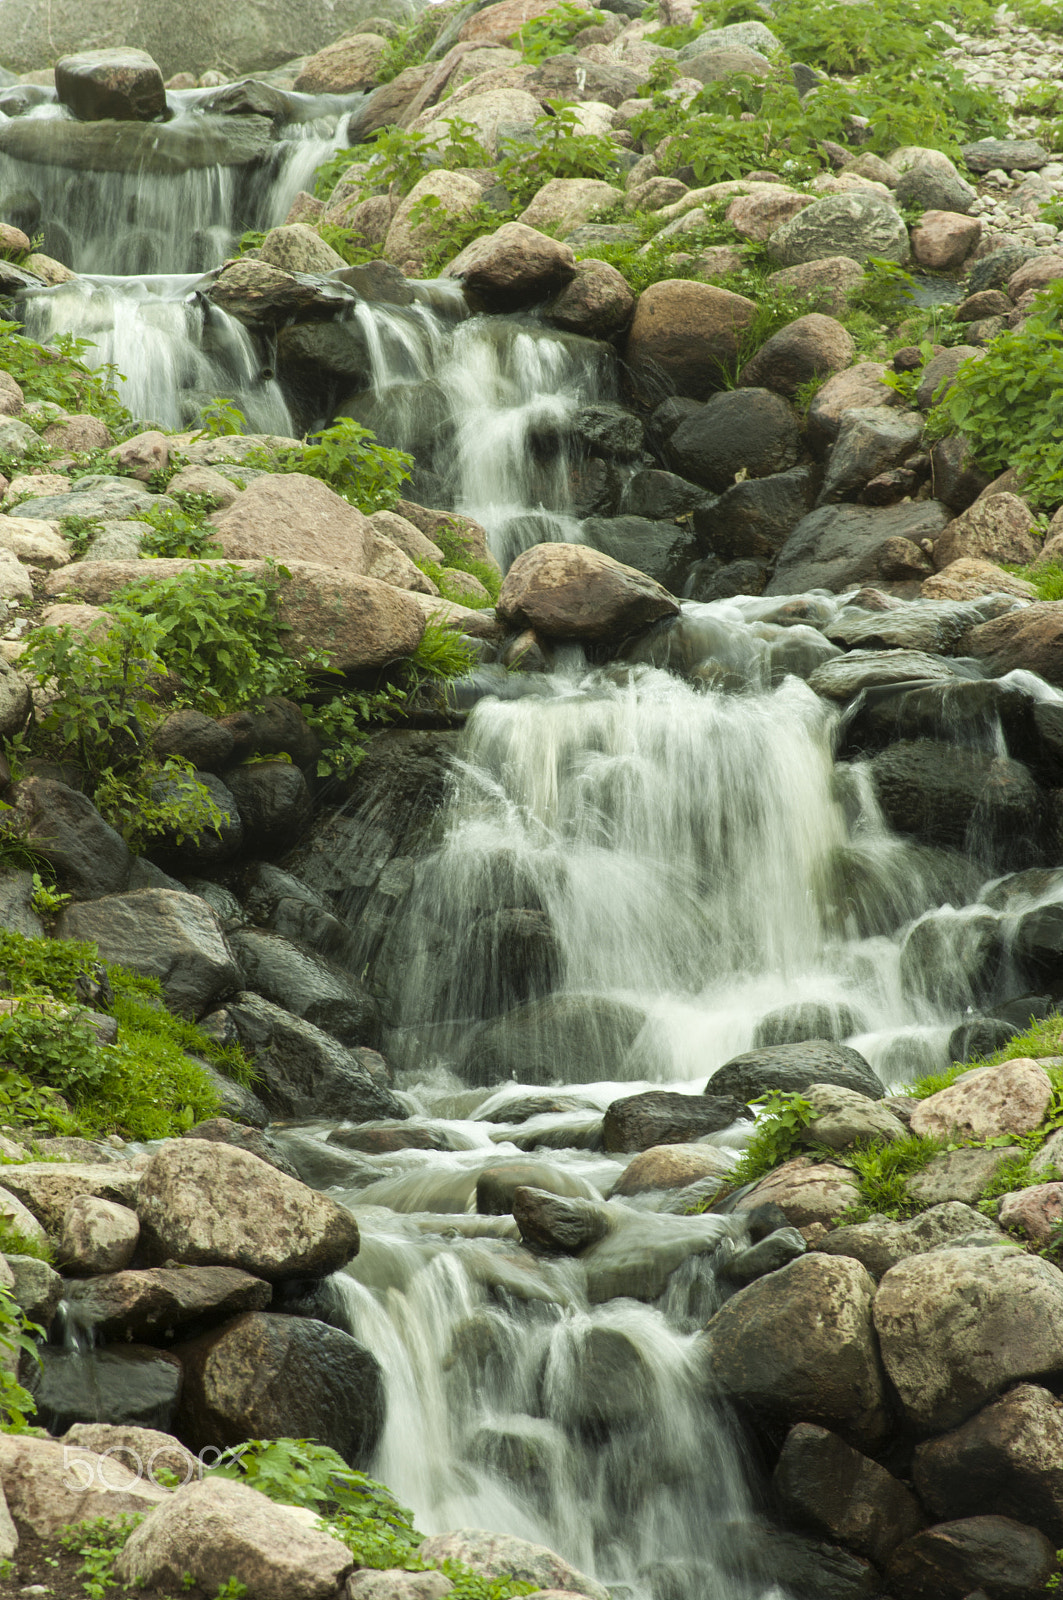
(1030, 638)
(194, 40)
(569, 591)
(956, 1326)
(855, 224)
(292, 517)
(791, 1068)
(228, 1533)
(813, 346)
(881, 1243)
(347, 66)
(47, 1189)
(658, 1117)
(49, 1485)
(121, 85)
(160, 933)
(806, 1191)
(1007, 1459)
(559, 1039)
(945, 794)
(799, 1346)
(266, 1376)
(998, 528)
(684, 338)
(409, 243)
(596, 303)
(871, 439)
(151, 1303)
(990, 1102)
(743, 430)
(841, 547)
(64, 828)
(975, 1556)
(207, 1204)
(302, 1070)
(829, 1488)
(514, 266)
(563, 203)
(132, 1384)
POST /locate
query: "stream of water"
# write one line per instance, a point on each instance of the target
(706, 874)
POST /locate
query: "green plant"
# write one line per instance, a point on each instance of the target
(46, 899)
(883, 1170)
(158, 801)
(1047, 580)
(233, 1589)
(555, 148)
(79, 531)
(342, 724)
(411, 43)
(1009, 1176)
(442, 653)
(181, 533)
(17, 1338)
(885, 291)
(220, 417)
(555, 33)
(777, 1134)
(349, 243)
(1009, 404)
(451, 231)
(348, 458)
(99, 1544)
(13, 1242)
(58, 373)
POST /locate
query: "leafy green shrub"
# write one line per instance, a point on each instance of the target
(554, 149)
(883, 1170)
(57, 372)
(1009, 404)
(451, 230)
(220, 418)
(555, 33)
(412, 42)
(180, 533)
(99, 1544)
(348, 458)
(775, 1138)
(17, 1405)
(1047, 580)
(349, 243)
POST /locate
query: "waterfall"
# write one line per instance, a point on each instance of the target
(173, 350)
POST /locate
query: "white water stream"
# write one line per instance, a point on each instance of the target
(679, 826)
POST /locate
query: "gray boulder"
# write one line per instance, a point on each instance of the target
(799, 1346)
(123, 85)
(832, 1490)
(855, 224)
(306, 984)
(752, 520)
(159, 1301)
(956, 1326)
(640, 1121)
(65, 829)
(841, 547)
(968, 799)
(791, 1068)
(870, 440)
(500, 1555)
(160, 933)
(979, 1555)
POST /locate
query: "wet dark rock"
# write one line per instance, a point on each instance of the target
(196, 738)
(260, 295)
(523, 1107)
(607, 429)
(386, 1138)
(934, 626)
(277, 727)
(769, 1254)
(513, 957)
(657, 1116)
(790, 1068)
(973, 1041)
(950, 1561)
(662, 496)
(497, 1186)
(809, 1569)
(871, 440)
(1038, 942)
(841, 547)
(968, 799)
(594, 488)
(805, 1020)
(710, 581)
(274, 803)
(799, 1345)
(265, 1376)
(660, 549)
(155, 149)
(994, 270)
(957, 480)
(307, 985)
(756, 517)
(963, 711)
(127, 1384)
(160, 933)
(302, 1070)
(64, 828)
(749, 430)
(1008, 1460)
(549, 1222)
(954, 961)
(150, 1304)
(833, 1491)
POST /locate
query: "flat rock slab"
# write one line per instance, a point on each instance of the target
(48, 1188)
(959, 1175)
(139, 1305)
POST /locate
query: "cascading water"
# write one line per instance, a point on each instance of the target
(174, 350)
(486, 406)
